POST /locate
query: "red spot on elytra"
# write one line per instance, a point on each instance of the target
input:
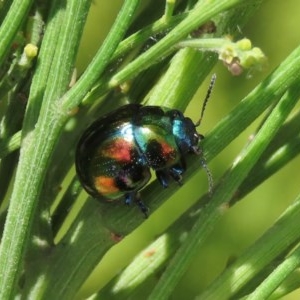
(168, 151)
(120, 150)
(105, 185)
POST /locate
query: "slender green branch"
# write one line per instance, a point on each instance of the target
(169, 9)
(39, 144)
(142, 35)
(165, 46)
(161, 49)
(272, 245)
(34, 157)
(102, 58)
(11, 24)
(284, 148)
(65, 204)
(269, 285)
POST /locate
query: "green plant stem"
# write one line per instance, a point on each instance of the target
(284, 147)
(213, 211)
(134, 278)
(10, 145)
(39, 144)
(34, 157)
(269, 285)
(169, 9)
(142, 35)
(11, 24)
(98, 239)
(170, 91)
(41, 75)
(95, 69)
(203, 44)
(62, 210)
(275, 242)
(197, 16)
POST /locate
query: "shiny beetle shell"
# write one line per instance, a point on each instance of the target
(115, 154)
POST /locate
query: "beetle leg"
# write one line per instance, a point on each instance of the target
(128, 198)
(162, 177)
(144, 209)
(134, 197)
(176, 172)
(182, 163)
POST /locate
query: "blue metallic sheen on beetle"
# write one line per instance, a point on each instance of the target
(115, 154)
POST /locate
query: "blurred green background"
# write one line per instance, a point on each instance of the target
(275, 29)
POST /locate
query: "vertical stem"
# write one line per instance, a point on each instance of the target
(37, 146)
(11, 24)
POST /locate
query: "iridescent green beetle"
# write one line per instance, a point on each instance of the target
(115, 154)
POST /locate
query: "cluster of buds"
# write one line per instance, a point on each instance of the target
(237, 56)
(241, 55)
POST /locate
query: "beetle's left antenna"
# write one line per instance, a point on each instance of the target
(209, 175)
(211, 85)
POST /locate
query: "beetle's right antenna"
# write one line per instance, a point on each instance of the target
(211, 85)
(209, 176)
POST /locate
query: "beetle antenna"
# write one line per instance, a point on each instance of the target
(211, 85)
(209, 175)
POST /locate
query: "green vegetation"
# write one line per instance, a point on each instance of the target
(154, 53)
